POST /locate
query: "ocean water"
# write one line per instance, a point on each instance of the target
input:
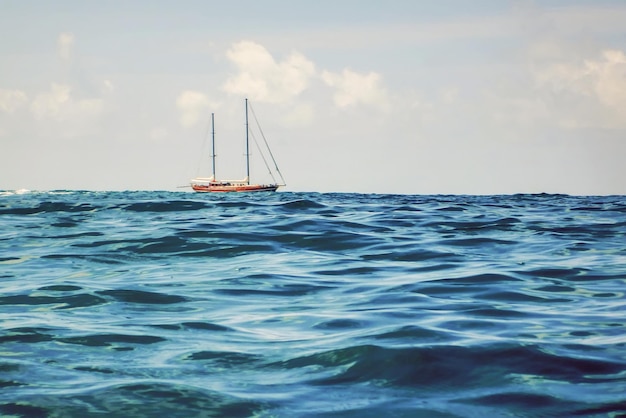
(141, 304)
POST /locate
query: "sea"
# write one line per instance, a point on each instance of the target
(175, 304)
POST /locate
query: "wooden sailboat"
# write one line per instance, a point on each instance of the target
(212, 184)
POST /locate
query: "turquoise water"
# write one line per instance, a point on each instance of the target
(137, 304)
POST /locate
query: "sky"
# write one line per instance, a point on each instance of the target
(400, 96)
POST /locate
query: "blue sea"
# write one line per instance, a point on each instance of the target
(174, 304)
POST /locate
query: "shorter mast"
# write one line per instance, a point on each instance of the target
(213, 142)
(247, 146)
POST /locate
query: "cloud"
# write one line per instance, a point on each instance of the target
(354, 88)
(11, 100)
(108, 86)
(58, 104)
(192, 106)
(591, 93)
(50, 103)
(65, 43)
(262, 78)
(608, 77)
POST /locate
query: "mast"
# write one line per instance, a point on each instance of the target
(213, 142)
(247, 146)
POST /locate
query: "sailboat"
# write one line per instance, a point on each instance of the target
(212, 184)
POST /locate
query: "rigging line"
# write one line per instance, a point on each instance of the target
(266, 144)
(269, 170)
(206, 135)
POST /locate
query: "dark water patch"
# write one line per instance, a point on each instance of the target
(9, 367)
(13, 409)
(454, 208)
(609, 409)
(582, 333)
(477, 226)
(556, 289)
(166, 206)
(195, 326)
(606, 295)
(301, 204)
(92, 369)
(474, 325)
(286, 290)
(542, 405)
(340, 324)
(48, 207)
(351, 271)
(445, 366)
(499, 313)
(434, 267)
(598, 277)
(199, 231)
(106, 340)
(331, 241)
(168, 244)
(508, 296)
(555, 273)
(9, 383)
(26, 335)
(84, 300)
(61, 288)
(171, 245)
(535, 405)
(87, 234)
(65, 224)
(205, 326)
(475, 242)
(480, 279)
(575, 274)
(442, 290)
(225, 358)
(408, 255)
(118, 243)
(225, 252)
(142, 297)
(411, 333)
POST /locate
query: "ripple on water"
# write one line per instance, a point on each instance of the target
(306, 304)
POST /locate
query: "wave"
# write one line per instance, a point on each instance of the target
(305, 304)
(137, 399)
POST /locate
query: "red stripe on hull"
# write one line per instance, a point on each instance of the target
(226, 189)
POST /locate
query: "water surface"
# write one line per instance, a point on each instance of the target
(303, 304)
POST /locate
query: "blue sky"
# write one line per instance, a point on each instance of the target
(416, 97)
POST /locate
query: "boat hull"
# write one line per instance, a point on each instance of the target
(210, 188)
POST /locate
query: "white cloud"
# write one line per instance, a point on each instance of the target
(58, 104)
(355, 88)
(263, 79)
(65, 43)
(108, 86)
(11, 100)
(50, 103)
(192, 106)
(609, 79)
(591, 93)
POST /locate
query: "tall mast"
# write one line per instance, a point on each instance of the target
(213, 141)
(247, 147)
